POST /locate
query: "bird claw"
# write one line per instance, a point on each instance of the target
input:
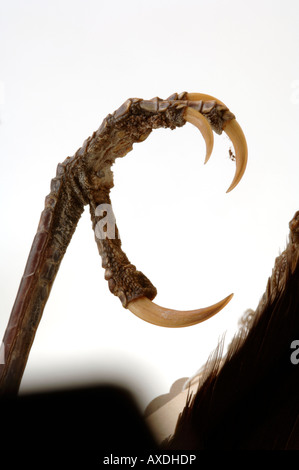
(86, 178)
(208, 114)
(229, 125)
(160, 316)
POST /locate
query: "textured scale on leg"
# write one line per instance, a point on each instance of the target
(86, 178)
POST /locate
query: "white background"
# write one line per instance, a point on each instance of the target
(64, 66)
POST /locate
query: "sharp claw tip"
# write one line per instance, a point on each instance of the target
(230, 189)
(160, 316)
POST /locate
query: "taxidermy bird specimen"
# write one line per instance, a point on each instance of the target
(86, 178)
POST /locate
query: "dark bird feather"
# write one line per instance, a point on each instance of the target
(250, 398)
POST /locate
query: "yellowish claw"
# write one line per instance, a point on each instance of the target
(234, 132)
(160, 316)
(236, 135)
(145, 308)
(202, 97)
(194, 117)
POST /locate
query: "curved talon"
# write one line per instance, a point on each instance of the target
(236, 135)
(202, 97)
(160, 316)
(194, 117)
(234, 132)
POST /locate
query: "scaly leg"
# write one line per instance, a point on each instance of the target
(86, 178)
